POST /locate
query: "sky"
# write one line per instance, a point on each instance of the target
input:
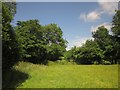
(77, 20)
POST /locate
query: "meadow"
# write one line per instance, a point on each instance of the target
(66, 76)
(33, 37)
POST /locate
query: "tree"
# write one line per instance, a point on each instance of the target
(55, 43)
(30, 38)
(116, 24)
(116, 34)
(88, 53)
(10, 48)
(101, 36)
(68, 55)
(40, 43)
(105, 42)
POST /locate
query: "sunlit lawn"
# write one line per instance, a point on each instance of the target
(69, 76)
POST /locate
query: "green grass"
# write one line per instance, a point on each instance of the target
(68, 76)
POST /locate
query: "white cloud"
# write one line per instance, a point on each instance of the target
(108, 7)
(106, 25)
(78, 41)
(105, 7)
(90, 17)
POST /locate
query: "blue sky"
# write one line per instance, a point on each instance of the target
(76, 19)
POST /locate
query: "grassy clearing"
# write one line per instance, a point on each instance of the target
(69, 76)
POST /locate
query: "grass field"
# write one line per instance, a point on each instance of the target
(67, 76)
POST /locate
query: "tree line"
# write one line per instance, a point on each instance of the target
(103, 49)
(30, 41)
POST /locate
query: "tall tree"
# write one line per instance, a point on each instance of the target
(55, 43)
(116, 33)
(101, 36)
(105, 42)
(10, 48)
(30, 38)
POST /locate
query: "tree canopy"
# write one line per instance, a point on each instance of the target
(116, 33)
(10, 49)
(40, 43)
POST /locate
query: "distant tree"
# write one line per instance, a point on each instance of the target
(99, 50)
(74, 51)
(68, 55)
(89, 53)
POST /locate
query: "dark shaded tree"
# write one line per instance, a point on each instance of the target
(10, 48)
(31, 41)
(116, 34)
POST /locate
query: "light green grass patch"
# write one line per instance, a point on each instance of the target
(69, 76)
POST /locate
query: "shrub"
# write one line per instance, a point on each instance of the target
(60, 62)
(96, 63)
(106, 62)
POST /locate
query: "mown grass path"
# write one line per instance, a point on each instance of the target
(69, 76)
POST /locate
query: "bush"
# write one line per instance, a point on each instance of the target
(96, 63)
(51, 63)
(63, 62)
(106, 62)
(60, 62)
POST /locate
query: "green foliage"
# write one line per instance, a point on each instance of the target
(68, 55)
(95, 63)
(116, 35)
(88, 53)
(10, 48)
(40, 43)
(116, 23)
(103, 47)
(105, 42)
(106, 62)
(101, 36)
(55, 43)
(64, 62)
(61, 62)
(30, 38)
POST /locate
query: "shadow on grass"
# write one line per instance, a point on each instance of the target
(13, 78)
